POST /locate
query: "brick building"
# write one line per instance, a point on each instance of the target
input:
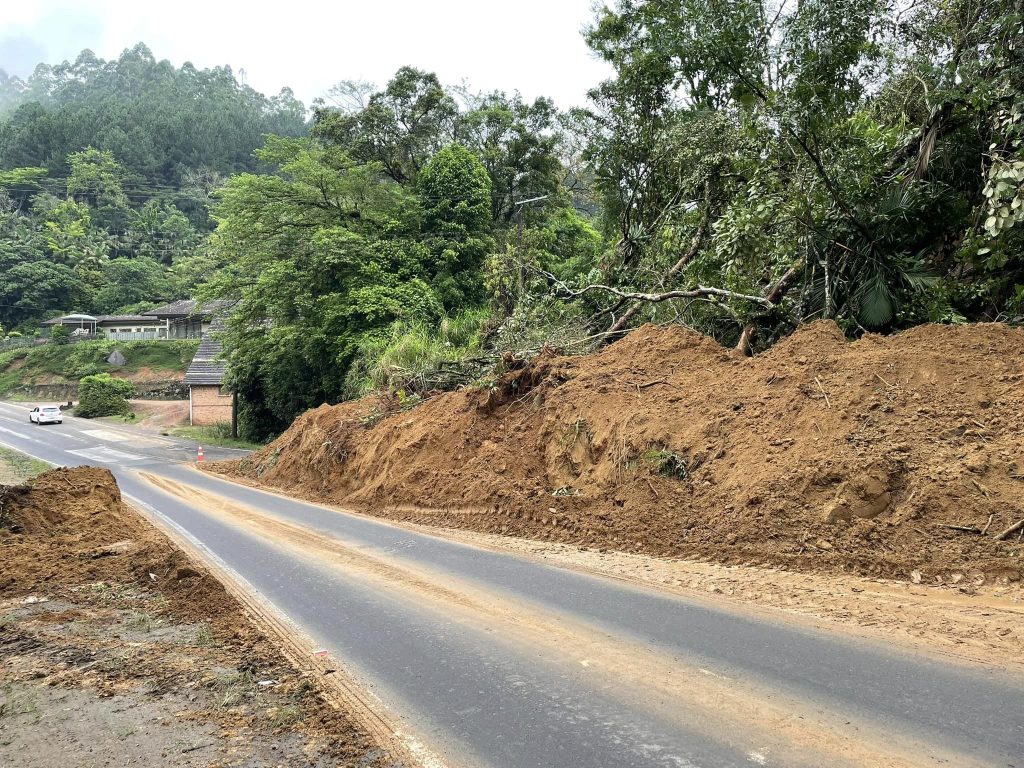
(208, 402)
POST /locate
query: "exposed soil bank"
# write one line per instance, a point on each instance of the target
(819, 454)
(115, 648)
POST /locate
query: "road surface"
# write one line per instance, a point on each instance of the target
(482, 658)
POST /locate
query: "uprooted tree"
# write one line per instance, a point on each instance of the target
(853, 159)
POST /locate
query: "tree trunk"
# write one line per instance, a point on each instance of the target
(775, 292)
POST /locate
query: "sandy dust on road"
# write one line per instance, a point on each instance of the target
(968, 622)
(669, 687)
(972, 621)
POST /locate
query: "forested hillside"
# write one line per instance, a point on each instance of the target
(106, 172)
(749, 167)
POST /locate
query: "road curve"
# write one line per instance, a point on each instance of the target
(492, 659)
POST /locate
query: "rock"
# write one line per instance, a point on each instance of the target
(116, 358)
(915, 576)
(109, 550)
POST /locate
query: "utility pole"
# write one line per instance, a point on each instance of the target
(519, 206)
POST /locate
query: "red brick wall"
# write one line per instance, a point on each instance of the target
(209, 406)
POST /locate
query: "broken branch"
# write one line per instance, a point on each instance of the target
(696, 293)
(964, 528)
(1018, 526)
(823, 392)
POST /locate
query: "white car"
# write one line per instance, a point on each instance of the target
(46, 414)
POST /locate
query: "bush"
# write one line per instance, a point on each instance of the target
(60, 334)
(416, 358)
(103, 395)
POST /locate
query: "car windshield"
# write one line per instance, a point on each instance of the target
(51, 410)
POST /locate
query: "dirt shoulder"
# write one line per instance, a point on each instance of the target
(116, 647)
(975, 620)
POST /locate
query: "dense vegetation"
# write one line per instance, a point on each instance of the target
(106, 172)
(853, 159)
(102, 395)
(398, 221)
(750, 166)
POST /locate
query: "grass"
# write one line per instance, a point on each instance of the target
(67, 363)
(214, 434)
(283, 716)
(16, 703)
(232, 688)
(204, 637)
(140, 622)
(18, 467)
(667, 463)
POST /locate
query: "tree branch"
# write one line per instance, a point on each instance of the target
(696, 293)
(619, 325)
(774, 294)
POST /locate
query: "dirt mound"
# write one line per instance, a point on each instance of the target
(818, 454)
(132, 615)
(61, 500)
(69, 527)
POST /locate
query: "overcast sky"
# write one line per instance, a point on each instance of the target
(533, 46)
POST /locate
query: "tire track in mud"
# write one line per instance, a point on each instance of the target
(791, 731)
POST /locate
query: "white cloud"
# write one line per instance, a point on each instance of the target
(534, 46)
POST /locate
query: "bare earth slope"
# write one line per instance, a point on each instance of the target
(116, 648)
(819, 454)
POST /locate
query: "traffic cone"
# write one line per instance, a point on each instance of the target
(199, 457)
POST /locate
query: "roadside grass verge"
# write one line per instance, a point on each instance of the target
(214, 434)
(16, 467)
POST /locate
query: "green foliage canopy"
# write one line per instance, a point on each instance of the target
(103, 395)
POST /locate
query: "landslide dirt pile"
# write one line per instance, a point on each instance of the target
(819, 454)
(69, 527)
(67, 540)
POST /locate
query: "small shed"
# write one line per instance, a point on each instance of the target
(208, 402)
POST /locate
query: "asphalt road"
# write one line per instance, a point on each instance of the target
(492, 659)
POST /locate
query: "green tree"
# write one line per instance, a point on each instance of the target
(792, 151)
(455, 190)
(318, 252)
(400, 128)
(60, 335)
(29, 290)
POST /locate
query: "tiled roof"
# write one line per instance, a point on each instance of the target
(189, 308)
(125, 319)
(205, 367)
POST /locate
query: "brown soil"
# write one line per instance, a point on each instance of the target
(147, 375)
(819, 454)
(97, 600)
(156, 415)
